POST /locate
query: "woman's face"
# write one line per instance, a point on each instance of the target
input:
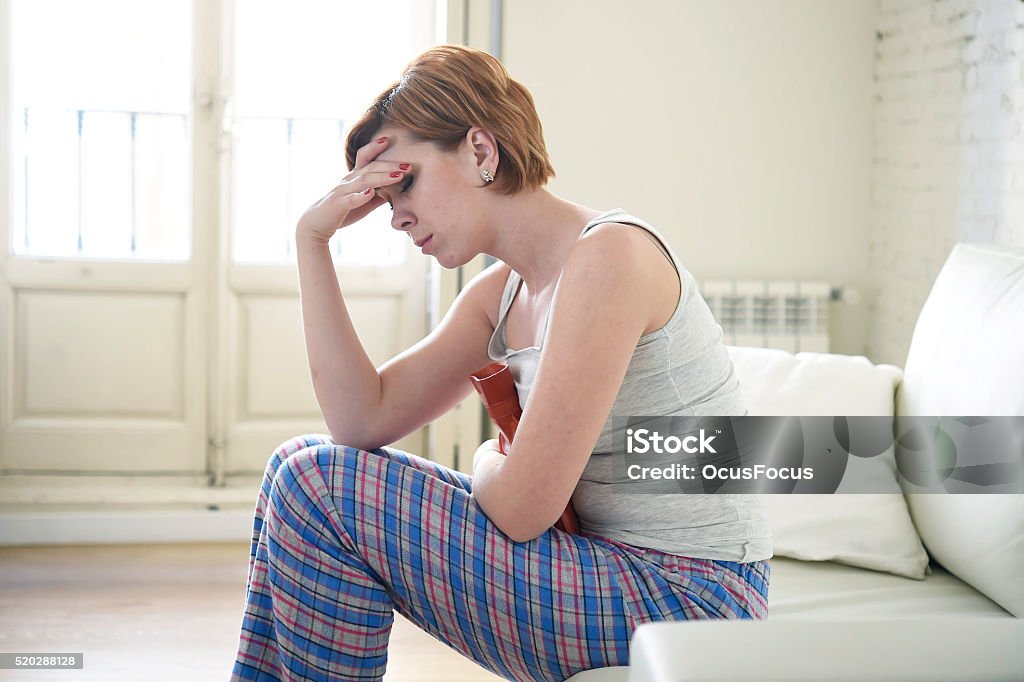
(439, 201)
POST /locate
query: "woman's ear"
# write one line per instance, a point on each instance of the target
(485, 150)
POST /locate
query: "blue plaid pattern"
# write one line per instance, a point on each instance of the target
(342, 538)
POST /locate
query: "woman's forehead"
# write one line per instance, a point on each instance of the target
(401, 146)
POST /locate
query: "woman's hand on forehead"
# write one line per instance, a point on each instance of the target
(356, 195)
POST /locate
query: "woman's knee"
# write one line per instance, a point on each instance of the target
(291, 471)
(286, 450)
(293, 463)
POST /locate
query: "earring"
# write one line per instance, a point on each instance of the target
(487, 175)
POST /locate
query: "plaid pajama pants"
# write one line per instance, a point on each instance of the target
(344, 537)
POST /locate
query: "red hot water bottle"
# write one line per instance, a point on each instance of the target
(497, 390)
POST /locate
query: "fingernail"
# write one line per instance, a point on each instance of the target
(368, 190)
(382, 140)
(403, 166)
(396, 174)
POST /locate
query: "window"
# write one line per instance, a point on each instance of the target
(302, 75)
(102, 165)
(100, 141)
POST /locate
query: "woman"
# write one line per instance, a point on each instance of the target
(595, 317)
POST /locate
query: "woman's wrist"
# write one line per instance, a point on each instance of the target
(308, 238)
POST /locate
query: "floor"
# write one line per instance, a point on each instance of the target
(159, 613)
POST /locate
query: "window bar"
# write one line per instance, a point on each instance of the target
(132, 117)
(81, 121)
(25, 162)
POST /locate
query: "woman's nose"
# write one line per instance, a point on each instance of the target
(403, 221)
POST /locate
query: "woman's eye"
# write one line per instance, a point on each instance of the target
(407, 185)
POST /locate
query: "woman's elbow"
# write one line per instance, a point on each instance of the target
(522, 535)
(520, 516)
(523, 527)
(353, 438)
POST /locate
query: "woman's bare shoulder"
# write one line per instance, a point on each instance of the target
(631, 245)
(631, 257)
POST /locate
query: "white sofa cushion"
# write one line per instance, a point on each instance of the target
(825, 591)
(967, 358)
(869, 531)
(778, 650)
(821, 590)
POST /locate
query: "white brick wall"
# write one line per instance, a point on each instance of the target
(949, 148)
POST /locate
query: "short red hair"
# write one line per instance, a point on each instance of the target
(446, 91)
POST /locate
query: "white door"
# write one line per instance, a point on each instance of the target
(104, 282)
(151, 179)
(290, 102)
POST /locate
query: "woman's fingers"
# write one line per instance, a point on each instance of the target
(368, 152)
(369, 169)
(358, 197)
(384, 174)
(355, 196)
(360, 204)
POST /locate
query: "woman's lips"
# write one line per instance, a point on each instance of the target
(426, 244)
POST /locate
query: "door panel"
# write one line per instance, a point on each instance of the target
(272, 397)
(86, 354)
(103, 374)
(273, 381)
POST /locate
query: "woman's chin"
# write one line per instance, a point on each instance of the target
(450, 262)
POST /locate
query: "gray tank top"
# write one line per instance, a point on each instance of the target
(681, 369)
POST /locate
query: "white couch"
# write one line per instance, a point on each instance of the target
(887, 586)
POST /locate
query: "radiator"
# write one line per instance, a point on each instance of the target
(790, 315)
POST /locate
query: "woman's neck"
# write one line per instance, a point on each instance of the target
(533, 233)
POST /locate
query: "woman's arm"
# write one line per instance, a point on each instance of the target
(365, 407)
(601, 308)
(345, 381)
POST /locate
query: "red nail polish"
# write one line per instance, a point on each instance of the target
(382, 140)
(368, 190)
(403, 166)
(396, 174)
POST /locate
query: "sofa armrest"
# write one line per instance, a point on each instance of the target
(909, 649)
